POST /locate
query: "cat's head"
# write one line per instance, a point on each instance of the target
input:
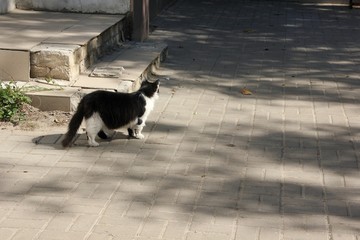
(150, 89)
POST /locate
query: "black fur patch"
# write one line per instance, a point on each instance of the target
(102, 135)
(115, 109)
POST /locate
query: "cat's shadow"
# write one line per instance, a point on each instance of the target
(54, 140)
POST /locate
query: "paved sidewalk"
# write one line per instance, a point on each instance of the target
(282, 163)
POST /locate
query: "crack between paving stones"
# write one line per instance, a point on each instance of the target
(282, 169)
(318, 159)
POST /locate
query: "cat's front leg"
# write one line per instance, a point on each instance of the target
(131, 132)
(136, 129)
(137, 132)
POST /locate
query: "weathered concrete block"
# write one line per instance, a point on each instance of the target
(40, 70)
(66, 99)
(55, 61)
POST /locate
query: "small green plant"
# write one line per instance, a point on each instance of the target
(12, 99)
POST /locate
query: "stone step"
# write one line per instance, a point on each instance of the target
(133, 63)
(62, 56)
(136, 60)
(54, 45)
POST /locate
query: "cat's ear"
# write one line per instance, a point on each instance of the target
(157, 84)
(145, 83)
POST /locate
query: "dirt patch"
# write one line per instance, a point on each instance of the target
(34, 119)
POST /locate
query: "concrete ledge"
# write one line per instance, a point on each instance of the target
(63, 100)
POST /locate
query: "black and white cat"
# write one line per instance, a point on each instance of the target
(104, 111)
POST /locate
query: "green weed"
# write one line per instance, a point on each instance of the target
(12, 99)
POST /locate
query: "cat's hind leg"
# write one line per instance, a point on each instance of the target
(105, 133)
(93, 126)
(135, 132)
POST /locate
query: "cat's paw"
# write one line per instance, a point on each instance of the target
(93, 144)
(139, 136)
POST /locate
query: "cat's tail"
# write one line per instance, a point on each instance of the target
(74, 125)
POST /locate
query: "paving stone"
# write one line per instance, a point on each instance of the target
(7, 233)
(128, 229)
(50, 234)
(207, 235)
(269, 234)
(61, 222)
(247, 233)
(25, 233)
(344, 236)
(153, 228)
(83, 223)
(303, 234)
(23, 223)
(175, 230)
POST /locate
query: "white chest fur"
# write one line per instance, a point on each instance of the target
(150, 102)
